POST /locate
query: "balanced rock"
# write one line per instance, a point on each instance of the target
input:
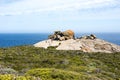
(61, 36)
(69, 33)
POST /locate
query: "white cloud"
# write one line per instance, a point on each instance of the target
(35, 6)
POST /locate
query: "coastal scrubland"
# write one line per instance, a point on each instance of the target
(31, 63)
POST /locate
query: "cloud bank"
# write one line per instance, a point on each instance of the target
(37, 6)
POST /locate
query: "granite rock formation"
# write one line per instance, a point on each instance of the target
(61, 36)
(88, 43)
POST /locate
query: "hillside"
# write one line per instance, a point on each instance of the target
(31, 63)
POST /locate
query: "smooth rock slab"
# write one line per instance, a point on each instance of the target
(85, 45)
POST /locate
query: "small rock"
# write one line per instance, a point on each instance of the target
(92, 37)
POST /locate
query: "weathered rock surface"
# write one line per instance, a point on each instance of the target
(47, 43)
(83, 44)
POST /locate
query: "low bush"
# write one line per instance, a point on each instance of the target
(14, 77)
(56, 74)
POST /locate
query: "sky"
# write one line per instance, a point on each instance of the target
(43, 16)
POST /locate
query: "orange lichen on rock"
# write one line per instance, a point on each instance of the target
(69, 33)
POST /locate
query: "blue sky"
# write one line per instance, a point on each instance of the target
(37, 16)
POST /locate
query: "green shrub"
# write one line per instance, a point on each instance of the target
(56, 74)
(14, 77)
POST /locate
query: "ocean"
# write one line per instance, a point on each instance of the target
(10, 40)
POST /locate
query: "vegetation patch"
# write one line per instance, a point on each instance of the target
(36, 62)
(14, 77)
(56, 74)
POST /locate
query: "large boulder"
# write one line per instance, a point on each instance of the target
(69, 34)
(61, 36)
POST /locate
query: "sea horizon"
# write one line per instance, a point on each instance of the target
(20, 39)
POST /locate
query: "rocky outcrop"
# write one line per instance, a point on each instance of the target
(65, 41)
(61, 36)
(85, 45)
(92, 36)
(90, 45)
